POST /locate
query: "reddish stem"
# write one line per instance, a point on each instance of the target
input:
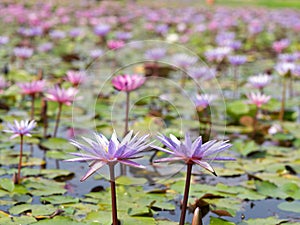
(186, 192)
(20, 160)
(113, 194)
(57, 119)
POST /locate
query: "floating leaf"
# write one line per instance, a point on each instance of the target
(261, 221)
(125, 180)
(59, 199)
(7, 184)
(58, 144)
(219, 221)
(18, 220)
(290, 206)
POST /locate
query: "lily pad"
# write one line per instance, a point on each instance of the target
(290, 206)
(7, 184)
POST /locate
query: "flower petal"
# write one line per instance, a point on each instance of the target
(94, 167)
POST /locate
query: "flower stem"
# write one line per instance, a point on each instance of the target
(186, 192)
(57, 119)
(113, 194)
(291, 89)
(32, 107)
(236, 82)
(281, 114)
(20, 160)
(255, 120)
(44, 117)
(183, 79)
(127, 112)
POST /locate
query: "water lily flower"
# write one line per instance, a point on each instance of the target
(128, 82)
(155, 54)
(96, 53)
(285, 68)
(184, 60)
(75, 32)
(23, 52)
(101, 151)
(4, 40)
(31, 88)
(260, 81)
(280, 45)
(115, 44)
(287, 58)
(203, 100)
(124, 36)
(75, 77)
(102, 30)
(258, 99)
(57, 34)
(191, 153)
(22, 128)
(237, 60)
(217, 54)
(45, 47)
(202, 72)
(61, 95)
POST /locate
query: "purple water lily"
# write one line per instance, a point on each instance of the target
(22, 128)
(191, 153)
(101, 152)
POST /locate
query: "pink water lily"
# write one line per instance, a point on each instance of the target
(75, 77)
(128, 82)
(61, 95)
(33, 87)
(258, 99)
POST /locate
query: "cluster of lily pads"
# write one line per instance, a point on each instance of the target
(172, 81)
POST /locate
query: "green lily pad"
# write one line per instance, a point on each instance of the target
(59, 199)
(290, 206)
(17, 220)
(261, 221)
(58, 144)
(59, 220)
(219, 221)
(125, 180)
(7, 184)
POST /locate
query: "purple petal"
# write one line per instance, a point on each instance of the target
(221, 158)
(170, 159)
(131, 163)
(205, 165)
(162, 149)
(94, 167)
